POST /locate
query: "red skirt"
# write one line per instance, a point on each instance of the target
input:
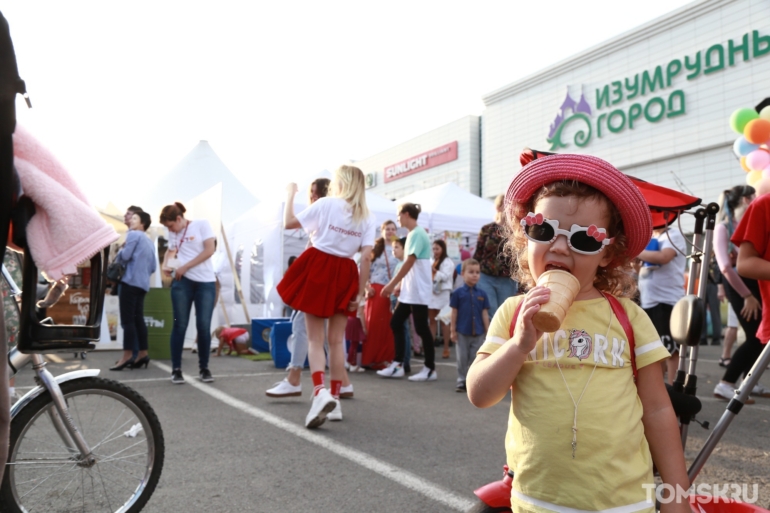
(320, 284)
(379, 349)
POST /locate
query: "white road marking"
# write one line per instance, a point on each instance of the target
(396, 474)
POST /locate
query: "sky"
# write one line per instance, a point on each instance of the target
(122, 91)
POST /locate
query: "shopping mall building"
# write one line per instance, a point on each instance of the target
(654, 101)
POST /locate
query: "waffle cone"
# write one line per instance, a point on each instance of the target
(564, 287)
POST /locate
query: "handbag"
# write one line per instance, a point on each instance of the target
(115, 272)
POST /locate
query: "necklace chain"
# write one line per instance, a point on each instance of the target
(576, 403)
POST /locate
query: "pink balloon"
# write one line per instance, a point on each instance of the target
(758, 159)
(766, 173)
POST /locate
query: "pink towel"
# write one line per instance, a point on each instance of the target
(65, 229)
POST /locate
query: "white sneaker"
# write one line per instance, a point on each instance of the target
(347, 366)
(284, 389)
(394, 370)
(323, 404)
(346, 392)
(727, 392)
(425, 374)
(760, 391)
(336, 413)
(356, 368)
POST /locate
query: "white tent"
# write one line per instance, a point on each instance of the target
(453, 215)
(447, 207)
(197, 173)
(261, 249)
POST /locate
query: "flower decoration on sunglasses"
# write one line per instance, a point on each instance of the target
(588, 240)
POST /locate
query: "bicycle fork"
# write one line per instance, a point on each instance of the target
(59, 414)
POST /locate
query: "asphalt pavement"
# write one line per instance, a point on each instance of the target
(402, 446)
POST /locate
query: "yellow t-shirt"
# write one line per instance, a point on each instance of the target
(612, 459)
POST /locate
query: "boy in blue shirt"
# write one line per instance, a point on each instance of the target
(470, 319)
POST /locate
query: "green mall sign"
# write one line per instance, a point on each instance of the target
(606, 117)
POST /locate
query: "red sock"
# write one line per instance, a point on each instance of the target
(336, 385)
(318, 382)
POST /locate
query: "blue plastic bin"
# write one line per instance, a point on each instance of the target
(260, 332)
(279, 335)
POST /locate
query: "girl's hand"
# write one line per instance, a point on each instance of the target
(751, 308)
(526, 335)
(180, 272)
(387, 290)
(292, 189)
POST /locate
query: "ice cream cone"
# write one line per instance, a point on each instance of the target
(564, 287)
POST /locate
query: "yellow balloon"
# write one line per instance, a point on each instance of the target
(765, 113)
(744, 165)
(753, 178)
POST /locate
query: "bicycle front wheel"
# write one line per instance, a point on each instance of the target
(46, 473)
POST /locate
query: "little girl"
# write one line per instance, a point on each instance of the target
(581, 435)
(324, 281)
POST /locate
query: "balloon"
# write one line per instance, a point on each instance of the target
(758, 160)
(757, 131)
(744, 165)
(742, 147)
(740, 117)
(753, 178)
(765, 113)
(766, 173)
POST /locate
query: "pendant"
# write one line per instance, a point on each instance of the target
(574, 441)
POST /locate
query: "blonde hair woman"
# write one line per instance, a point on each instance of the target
(324, 281)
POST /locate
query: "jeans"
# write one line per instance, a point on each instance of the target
(712, 305)
(131, 300)
(467, 347)
(298, 344)
(498, 289)
(420, 314)
(748, 352)
(407, 334)
(185, 293)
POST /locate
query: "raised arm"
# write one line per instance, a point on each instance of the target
(290, 221)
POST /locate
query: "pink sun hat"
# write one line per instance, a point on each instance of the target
(600, 175)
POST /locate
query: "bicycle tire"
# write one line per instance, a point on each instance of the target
(51, 480)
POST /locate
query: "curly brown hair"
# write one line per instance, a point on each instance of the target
(616, 278)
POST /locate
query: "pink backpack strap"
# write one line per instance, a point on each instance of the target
(623, 319)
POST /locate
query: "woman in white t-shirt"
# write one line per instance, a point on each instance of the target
(188, 260)
(324, 281)
(443, 270)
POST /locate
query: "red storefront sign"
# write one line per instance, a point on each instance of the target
(421, 162)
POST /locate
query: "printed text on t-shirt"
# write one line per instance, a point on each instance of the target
(343, 231)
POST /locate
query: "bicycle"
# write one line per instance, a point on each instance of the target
(687, 318)
(78, 442)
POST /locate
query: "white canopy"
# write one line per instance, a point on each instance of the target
(447, 207)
